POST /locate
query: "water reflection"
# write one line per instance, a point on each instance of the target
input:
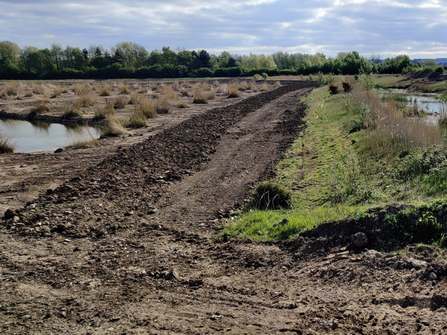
(40, 136)
(426, 102)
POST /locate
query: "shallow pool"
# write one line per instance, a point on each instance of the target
(426, 102)
(40, 136)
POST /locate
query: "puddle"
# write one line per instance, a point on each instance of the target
(40, 136)
(426, 102)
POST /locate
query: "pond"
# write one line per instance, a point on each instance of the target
(426, 102)
(40, 136)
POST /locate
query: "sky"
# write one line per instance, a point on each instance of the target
(384, 28)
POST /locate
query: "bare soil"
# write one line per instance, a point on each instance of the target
(124, 239)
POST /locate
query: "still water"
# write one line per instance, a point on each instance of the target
(40, 136)
(426, 102)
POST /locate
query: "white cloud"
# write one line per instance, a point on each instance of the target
(258, 26)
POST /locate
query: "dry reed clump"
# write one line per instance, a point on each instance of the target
(176, 86)
(147, 107)
(6, 147)
(85, 101)
(253, 85)
(154, 87)
(56, 93)
(277, 84)
(168, 92)
(105, 90)
(113, 127)
(120, 102)
(40, 109)
(233, 91)
(137, 119)
(82, 89)
(163, 106)
(102, 114)
(442, 122)
(264, 87)
(199, 97)
(243, 86)
(123, 88)
(38, 89)
(11, 89)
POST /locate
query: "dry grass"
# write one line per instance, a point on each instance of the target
(6, 147)
(82, 89)
(277, 84)
(137, 119)
(264, 87)
(85, 144)
(168, 92)
(163, 106)
(40, 109)
(105, 90)
(176, 86)
(56, 93)
(113, 127)
(154, 87)
(199, 97)
(148, 107)
(233, 91)
(124, 89)
(38, 89)
(120, 102)
(105, 113)
(243, 86)
(389, 131)
(11, 89)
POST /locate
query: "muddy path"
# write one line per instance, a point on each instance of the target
(129, 246)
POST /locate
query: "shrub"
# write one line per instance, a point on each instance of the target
(333, 88)
(264, 75)
(270, 196)
(257, 77)
(347, 87)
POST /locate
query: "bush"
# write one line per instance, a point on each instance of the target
(233, 91)
(333, 88)
(199, 97)
(270, 196)
(347, 87)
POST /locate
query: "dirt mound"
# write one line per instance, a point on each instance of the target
(429, 75)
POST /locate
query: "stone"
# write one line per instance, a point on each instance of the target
(359, 240)
(58, 150)
(372, 255)
(414, 263)
(433, 276)
(9, 214)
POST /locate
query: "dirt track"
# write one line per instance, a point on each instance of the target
(128, 246)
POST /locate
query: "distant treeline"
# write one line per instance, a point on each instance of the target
(131, 60)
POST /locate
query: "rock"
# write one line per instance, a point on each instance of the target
(372, 255)
(171, 274)
(359, 240)
(152, 210)
(9, 214)
(58, 150)
(215, 317)
(414, 263)
(432, 276)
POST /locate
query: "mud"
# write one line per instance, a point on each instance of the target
(130, 244)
